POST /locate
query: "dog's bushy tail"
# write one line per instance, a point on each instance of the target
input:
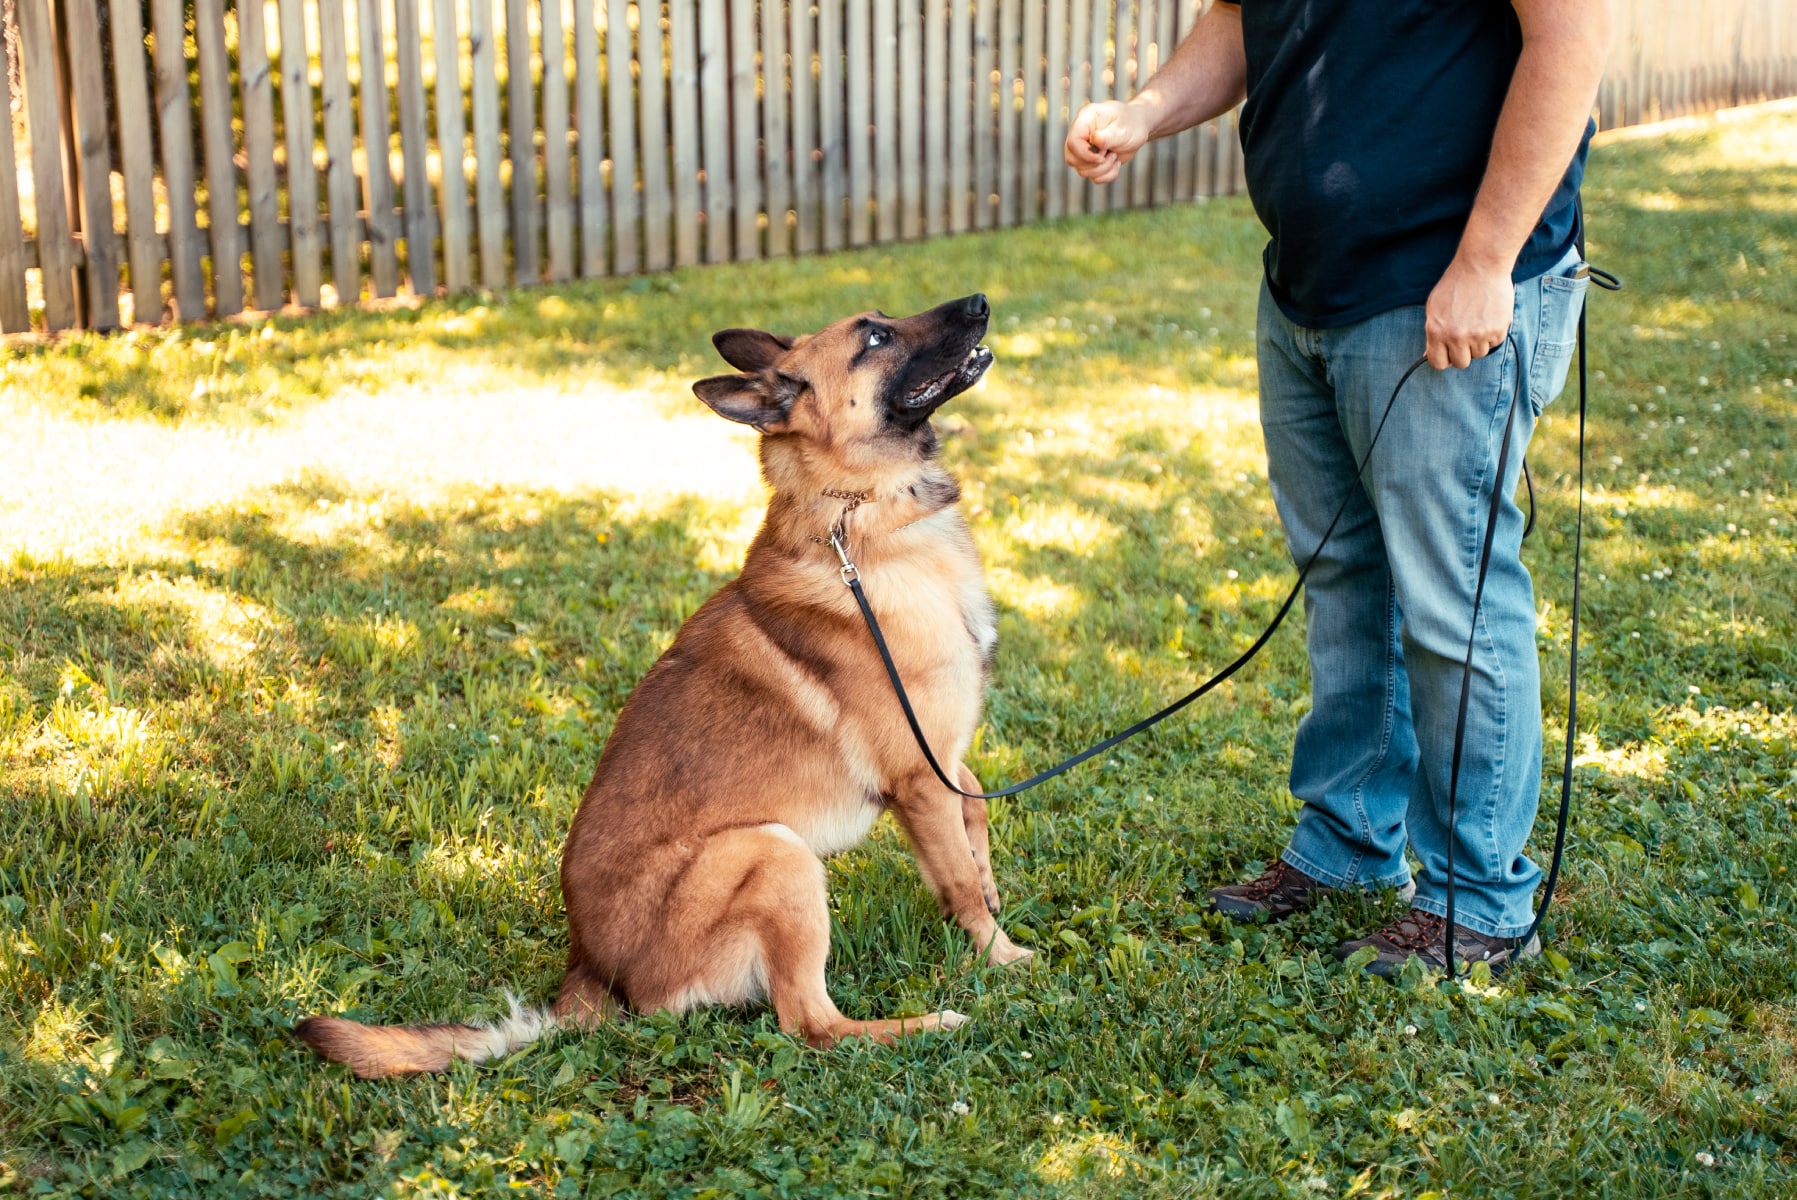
(376, 1051)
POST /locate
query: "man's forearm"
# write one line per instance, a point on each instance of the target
(1544, 115)
(1206, 75)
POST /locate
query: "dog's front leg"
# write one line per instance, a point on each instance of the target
(932, 819)
(979, 839)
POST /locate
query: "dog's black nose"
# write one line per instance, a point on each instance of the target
(976, 307)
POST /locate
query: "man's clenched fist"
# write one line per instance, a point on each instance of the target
(1106, 135)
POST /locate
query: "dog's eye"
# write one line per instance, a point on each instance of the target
(877, 337)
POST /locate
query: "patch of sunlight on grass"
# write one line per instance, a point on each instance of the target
(59, 1036)
(137, 476)
(1104, 1155)
(466, 861)
(1633, 761)
(1062, 526)
(1037, 596)
(226, 626)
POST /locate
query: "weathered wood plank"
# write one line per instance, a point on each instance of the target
(521, 146)
(15, 311)
(414, 149)
(220, 152)
(1054, 129)
(305, 239)
(37, 53)
(960, 115)
(255, 88)
(1030, 158)
(683, 96)
(885, 182)
(136, 161)
(776, 73)
(624, 209)
(452, 177)
(714, 89)
(489, 202)
(1079, 91)
(589, 145)
(805, 159)
(911, 119)
(339, 149)
(935, 129)
(864, 93)
(652, 84)
(745, 125)
(93, 158)
(558, 199)
(173, 110)
(985, 114)
(1010, 50)
(830, 123)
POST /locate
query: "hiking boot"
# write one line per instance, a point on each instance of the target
(1281, 891)
(1419, 933)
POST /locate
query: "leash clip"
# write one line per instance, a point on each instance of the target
(849, 572)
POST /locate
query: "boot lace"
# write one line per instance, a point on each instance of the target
(1270, 881)
(1416, 930)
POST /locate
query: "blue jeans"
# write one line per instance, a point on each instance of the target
(1389, 602)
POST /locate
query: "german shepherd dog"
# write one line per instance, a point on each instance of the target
(768, 737)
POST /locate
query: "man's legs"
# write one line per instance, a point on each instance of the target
(1431, 481)
(1389, 603)
(1355, 753)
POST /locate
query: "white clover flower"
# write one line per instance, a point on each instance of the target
(1695, 690)
(1026, 1055)
(1409, 1031)
(959, 1108)
(1493, 1099)
(1058, 1118)
(1705, 1158)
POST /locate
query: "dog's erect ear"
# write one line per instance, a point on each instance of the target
(750, 349)
(763, 399)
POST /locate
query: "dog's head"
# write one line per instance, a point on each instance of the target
(861, 390)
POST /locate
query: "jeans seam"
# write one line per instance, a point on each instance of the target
(1391, 691)
(1501, 738)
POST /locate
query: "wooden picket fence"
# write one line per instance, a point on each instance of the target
(548, 140)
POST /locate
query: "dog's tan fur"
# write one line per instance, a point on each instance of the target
(768, 737)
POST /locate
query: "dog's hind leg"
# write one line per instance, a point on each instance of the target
(752, 919)
(584, 1000)
(979, 839)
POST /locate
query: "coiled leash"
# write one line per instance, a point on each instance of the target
(851, 576)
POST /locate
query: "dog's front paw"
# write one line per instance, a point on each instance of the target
(1003, 952)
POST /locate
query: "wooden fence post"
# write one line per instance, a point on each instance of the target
(55, 249)
(93, 143)
(15, 313)
(256, 94)
(303, 236)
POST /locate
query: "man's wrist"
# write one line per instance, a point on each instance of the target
(1152, 107)
(1483, 259)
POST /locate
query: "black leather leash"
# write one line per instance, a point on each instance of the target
(851, 576)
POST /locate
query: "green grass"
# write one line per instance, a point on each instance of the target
(301, 730)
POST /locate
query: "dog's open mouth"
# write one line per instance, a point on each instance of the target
(950, 383)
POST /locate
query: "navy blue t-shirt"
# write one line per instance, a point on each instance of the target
(1366, 134)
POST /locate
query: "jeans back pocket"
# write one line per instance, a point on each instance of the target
(1562, 299)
